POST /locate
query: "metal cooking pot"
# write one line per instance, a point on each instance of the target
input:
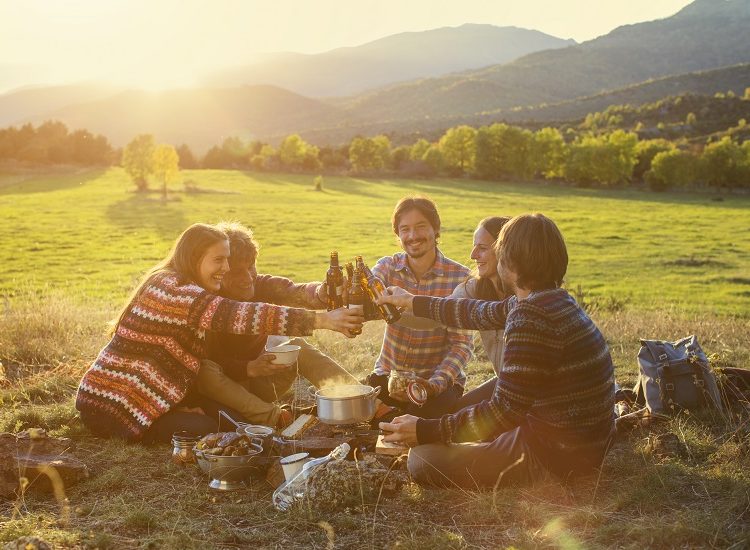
(227, 473)
(346, 404)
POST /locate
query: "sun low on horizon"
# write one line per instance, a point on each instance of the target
(170, 44)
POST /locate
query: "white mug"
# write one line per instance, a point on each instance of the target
(292, 464)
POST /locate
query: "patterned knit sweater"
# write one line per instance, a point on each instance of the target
(556, 381)
(157, 348)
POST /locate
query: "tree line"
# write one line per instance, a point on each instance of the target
(495, 152)
(501, 152)
(52, 143)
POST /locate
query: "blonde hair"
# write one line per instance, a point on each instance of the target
(183, 260)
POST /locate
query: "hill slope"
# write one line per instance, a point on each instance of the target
(201, 118)
(404, 56)
(27, 103)
(704, 35)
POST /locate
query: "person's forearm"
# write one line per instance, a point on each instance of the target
(466, 314)
(283, 291)
(452, 365)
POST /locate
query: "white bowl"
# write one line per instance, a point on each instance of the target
(286, 354)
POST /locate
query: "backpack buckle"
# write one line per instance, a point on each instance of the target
(699, 383)
(663, 357)
(669, 386)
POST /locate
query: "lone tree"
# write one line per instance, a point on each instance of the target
(138, 160)
(166, 165)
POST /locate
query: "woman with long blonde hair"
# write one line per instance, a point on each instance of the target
(136, 386)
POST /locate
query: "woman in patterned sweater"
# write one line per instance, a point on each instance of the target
(552, 408)
(136, 386)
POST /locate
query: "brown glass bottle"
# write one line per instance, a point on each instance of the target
(376, 288)
(335, 283)
(372, 313)
(356, 294)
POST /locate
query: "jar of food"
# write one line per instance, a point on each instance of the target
(407, 386)
(182, 448)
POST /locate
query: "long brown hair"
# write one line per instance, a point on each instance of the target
(183, 260)
(484, 288)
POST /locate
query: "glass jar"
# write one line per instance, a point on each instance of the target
(182, 448)
(407, 386)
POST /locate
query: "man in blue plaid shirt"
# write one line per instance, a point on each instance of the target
(414, 347)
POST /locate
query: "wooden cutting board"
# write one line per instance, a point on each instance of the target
(389, 449)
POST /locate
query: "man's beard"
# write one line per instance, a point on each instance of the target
(420, 251)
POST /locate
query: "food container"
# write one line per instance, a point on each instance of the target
(182, 448)
(263, 433)
(286, 354)
(345, 404)
(407, 386)
(228, 473)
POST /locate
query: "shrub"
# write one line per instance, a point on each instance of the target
(672, 168)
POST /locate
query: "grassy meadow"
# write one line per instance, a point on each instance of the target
(89, 233)
(648, 265)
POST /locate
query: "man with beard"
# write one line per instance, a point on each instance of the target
(552, 409)
(239, 373)
(428, 352)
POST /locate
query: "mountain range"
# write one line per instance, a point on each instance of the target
(703, 48)
(395, 58)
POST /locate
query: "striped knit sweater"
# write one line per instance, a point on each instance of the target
(556, 381)
(157, 348)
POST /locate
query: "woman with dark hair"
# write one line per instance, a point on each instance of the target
(137, 385)
(485, 284)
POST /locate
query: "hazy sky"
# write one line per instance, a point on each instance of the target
(164, 43)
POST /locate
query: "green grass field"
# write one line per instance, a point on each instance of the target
(88, 232)
(651, 265)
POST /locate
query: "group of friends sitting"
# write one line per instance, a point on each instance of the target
(192, 338)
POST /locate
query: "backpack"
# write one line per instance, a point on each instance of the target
(675, 376)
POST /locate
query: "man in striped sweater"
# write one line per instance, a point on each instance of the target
(552, 410)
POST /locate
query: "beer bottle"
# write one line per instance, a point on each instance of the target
(371, 309)
(335, 283)
(356, 294)
(376, 288)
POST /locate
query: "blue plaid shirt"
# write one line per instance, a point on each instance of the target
(436, 354)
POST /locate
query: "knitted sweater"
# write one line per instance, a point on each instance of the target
(157, 348)
(492, 339)
(233, 351)
(556, 381)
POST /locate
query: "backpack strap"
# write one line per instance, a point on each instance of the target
(699, 379)
(663, 380)
(655, 348)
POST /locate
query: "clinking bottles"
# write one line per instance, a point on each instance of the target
(356, 294)
(294, 490)
(375, 288)
(335, 283)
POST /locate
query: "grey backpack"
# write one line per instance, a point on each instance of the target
(675, 376)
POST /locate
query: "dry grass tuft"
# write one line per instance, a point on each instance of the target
(40, 330)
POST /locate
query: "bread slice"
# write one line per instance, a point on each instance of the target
(298, 427)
